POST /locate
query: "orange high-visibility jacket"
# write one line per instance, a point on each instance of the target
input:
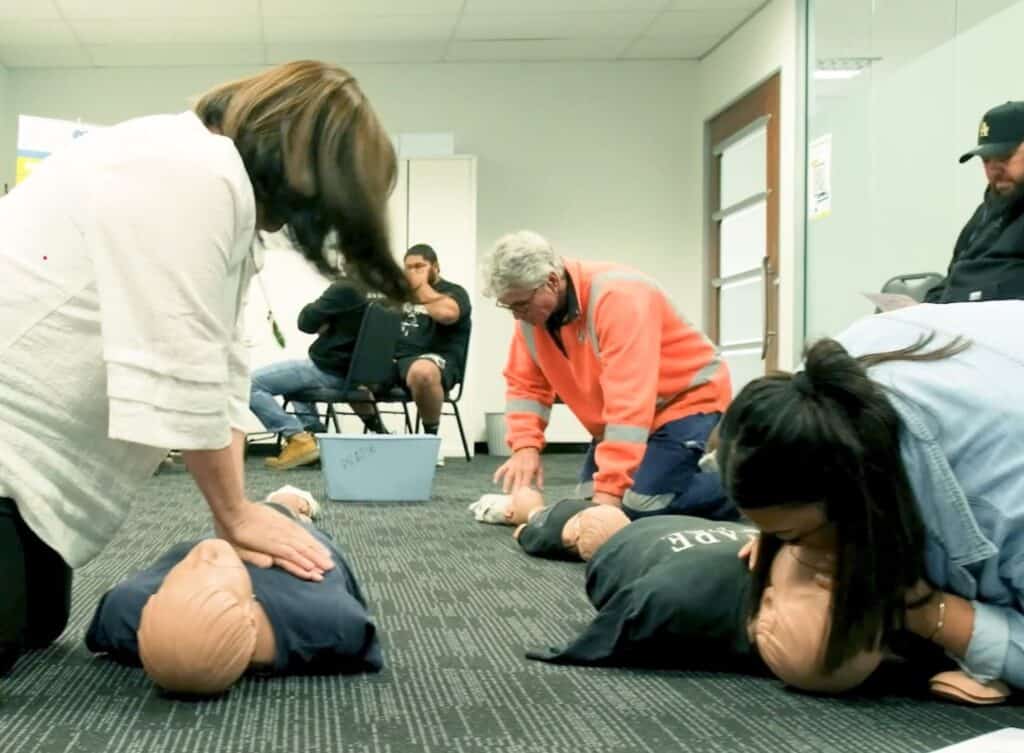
(632, 364)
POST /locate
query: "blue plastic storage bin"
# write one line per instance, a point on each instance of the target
(378, 467)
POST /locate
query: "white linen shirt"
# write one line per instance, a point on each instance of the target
(124, 262)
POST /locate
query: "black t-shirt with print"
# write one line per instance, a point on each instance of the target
(669, 589)
(420, 333)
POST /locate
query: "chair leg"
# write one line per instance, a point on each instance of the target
(462, 433)
(333, 415)
(408, 421)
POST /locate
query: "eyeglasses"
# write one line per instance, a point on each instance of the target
(520, 307)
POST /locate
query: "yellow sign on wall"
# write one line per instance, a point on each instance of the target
(25, 166)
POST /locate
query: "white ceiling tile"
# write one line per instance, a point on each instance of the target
(561, 6)
(324, 8)
(537, 49)
(692, 24)
(158, 8)
(27, 10)
(128, 31)
(669, 49)
(26, 33)
(552, 25)
(748, 5)
(175, 54)
(297, 30)
(48, 56)
(359, 52)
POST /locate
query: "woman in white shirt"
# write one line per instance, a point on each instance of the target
(125, 259)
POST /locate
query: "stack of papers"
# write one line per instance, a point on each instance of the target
(1010, 740)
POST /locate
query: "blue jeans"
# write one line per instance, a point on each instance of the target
(285, 378)
(669, 481)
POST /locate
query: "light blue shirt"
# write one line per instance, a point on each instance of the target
(963, 449)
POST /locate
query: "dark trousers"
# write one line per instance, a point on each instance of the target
(669, 480)
(35, 589)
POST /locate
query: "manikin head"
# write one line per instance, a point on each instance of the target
(791, 628)
(587, 531)
(524, 501)
(198, 632)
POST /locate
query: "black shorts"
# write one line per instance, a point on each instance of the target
(449, 374)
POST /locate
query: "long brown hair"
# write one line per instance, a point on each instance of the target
(829, 435)
(319, 160)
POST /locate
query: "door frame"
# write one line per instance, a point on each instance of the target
(761, 105)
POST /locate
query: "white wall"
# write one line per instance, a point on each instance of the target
(600, 157)
(899, 195)
(766, 44)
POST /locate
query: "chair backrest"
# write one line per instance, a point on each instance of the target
(455, 393)
(914, 285)
(374, 355)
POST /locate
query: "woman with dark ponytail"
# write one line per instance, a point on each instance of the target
(899, 451)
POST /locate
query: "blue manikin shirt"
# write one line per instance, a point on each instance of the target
(319, 628)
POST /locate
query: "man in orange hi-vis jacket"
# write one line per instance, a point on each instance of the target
(647, 385)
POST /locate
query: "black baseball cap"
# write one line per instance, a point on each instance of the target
(1000, 132)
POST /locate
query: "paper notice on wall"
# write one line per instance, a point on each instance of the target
(40, 137)
(890, 301)
(1010, 740)
(819, 177)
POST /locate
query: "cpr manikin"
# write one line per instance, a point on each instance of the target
(199, 618)
(570, 529)
(792, 626)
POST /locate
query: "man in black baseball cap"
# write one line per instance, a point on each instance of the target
(988, 259)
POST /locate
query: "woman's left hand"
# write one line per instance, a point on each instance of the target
(263, 537)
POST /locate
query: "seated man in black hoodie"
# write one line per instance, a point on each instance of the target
(336, 317)
(988, 259)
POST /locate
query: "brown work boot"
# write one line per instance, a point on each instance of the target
(299, 449)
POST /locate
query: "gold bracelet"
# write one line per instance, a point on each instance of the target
(941, 623)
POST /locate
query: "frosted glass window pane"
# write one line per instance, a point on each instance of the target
(744, 169)
(741, 308)
(744, 240)
(744, 365)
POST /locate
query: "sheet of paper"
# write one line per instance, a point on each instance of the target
(890, 301)
(1010, 740)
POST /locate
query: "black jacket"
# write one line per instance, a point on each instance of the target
(988, 259)
(340, 311)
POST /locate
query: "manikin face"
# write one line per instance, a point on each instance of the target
(805, 525)
(535, 305)
(1006, 172)
(198, 633)
(212, 564)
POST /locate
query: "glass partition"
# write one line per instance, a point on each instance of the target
(896, 91)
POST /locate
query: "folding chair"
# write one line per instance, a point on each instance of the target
(401, 394)
(372, 365)
(915, 285)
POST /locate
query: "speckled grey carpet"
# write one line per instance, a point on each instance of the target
(457, 603)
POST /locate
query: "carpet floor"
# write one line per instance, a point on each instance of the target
(457, 603)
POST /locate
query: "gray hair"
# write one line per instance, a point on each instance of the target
(520, 261)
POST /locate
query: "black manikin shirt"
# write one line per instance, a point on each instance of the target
(669, 590)
(420, 333)
(319, 628)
